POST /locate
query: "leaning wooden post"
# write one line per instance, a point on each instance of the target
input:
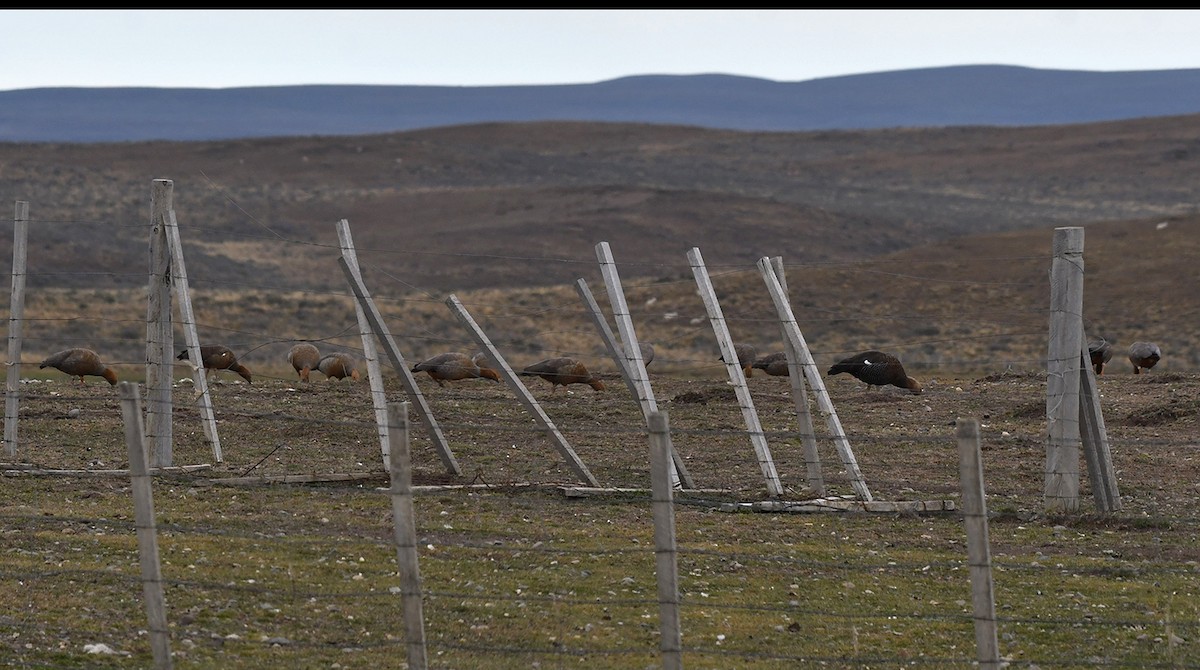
(1063, 364)
(143, 508)
(631, 353)
(1094, 436)
(208, 418)
(370, 351)
(524, 396)
(808, 434)
(716, 317)
(404, 520)
(400, 365)
(791, 331)
(665, 550)
(160, 343)
(16, 321)
(979, 555)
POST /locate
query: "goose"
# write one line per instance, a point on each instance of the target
(338, 365)
(80, 362)
(876, 368)
(219, 357)
(563, 370)
(1101, 352)
(1144, 355)
(304, 358)
(454, 366)
(746, 354)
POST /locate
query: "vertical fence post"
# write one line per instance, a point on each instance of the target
(1063, 364)
(143, 508)
(979, 555)
(404, 520)
(16, 317)
(665, 550)
(160, 339)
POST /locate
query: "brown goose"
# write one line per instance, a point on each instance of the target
(304, 358)
(1101, 352)
(338, 365)
(79, 362)
(453, 366)
(483, 360)
(219, 357)
(746, 354)
(876, 368)
(775, 364)
(647, 351)
(1144, 355)
(563, 370)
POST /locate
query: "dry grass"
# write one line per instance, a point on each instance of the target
(303, 576)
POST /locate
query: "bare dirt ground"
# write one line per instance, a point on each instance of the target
(904, 444)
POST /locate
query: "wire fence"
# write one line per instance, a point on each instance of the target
(521, 566)
(514, 575)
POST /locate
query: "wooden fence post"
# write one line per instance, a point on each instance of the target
(792, 332)
(16, 322)
(1063, 364)
(188, 322)
(160, 343)
(143, 508)
(979, 555)
(808, 437)
(665, 549)
(716, 317)
(400, 365)
(1094, 436)
(630, 352)
(405, 524)
(370, 351)
(523, 395)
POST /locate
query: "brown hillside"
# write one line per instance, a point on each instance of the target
(933, 242)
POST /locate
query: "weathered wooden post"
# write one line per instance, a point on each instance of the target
(1063, 364)
(665, 550)
(160, 340)
(405, 528)
(147, 535)
(16, 317)
(979, 553)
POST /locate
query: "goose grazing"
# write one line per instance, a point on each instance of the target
(876, 368)
(775, 365)
(80, 363)
(563, 370)
(338, 365)
(219, 357)
(1144, 355)
(304, 358)
(453, 366)
(483, 360)
(647, 351)
(746, 355)
(1101, 352)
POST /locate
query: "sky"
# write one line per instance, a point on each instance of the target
(236, 48)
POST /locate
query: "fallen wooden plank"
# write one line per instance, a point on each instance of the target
(586, 491)
(837, 505)
(296, 479)
(32, 470)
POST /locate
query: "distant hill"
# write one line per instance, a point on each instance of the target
(976, 95)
